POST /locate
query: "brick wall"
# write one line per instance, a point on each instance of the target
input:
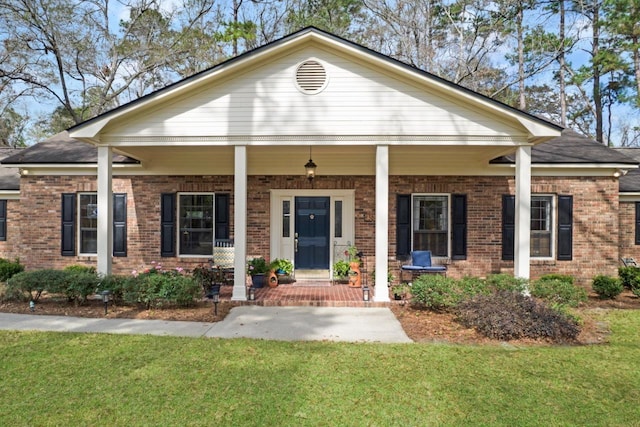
(595, 234)
(9, 249)
(627, 234)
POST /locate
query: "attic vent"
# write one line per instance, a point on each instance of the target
(311, 77)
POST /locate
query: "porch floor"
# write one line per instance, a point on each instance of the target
(317, 293)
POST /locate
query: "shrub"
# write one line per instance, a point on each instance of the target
(505, 282)
(9, 269)
(472, 286)
(116, 284)
(80, 284)
(33, 283)
(630, 277)
(435, 291)
(508, 315)
(607, 287)
(76, 268)
(156, 288)
(556, 289)
(556, 276)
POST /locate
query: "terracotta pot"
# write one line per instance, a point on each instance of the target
(355, 278)
(272, 279)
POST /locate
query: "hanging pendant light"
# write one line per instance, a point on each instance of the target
(310, 168)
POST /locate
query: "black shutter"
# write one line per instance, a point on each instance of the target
(459, 226)
(3, 220)
(403, 225)
(222, 216)
(68, 238)
(168, 225)
(637, 223)
(508, 226)
(565, 228)
(119, 225)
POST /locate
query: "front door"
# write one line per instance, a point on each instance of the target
(312, 233)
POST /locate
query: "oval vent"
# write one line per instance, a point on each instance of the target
(311, 77)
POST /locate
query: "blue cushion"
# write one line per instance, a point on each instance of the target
(421, 258)
(422, 268)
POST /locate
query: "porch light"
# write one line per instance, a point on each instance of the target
(310, 168)
(105, 300)
(366, 297)
(251, 294)
(32, 305)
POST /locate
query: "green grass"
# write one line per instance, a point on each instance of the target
(113, 380)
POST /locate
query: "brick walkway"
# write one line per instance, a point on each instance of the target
(308, 293)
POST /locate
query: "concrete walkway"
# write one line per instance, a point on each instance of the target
(271, 323)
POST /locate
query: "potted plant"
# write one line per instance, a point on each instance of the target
(282, 266)
(341, 271)
(258, 268)
(355, 278)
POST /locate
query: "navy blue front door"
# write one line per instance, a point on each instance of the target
(312, 233)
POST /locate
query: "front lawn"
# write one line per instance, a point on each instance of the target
(91, 379)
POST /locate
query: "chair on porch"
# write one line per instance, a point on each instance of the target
(224, 256)
(421, 264)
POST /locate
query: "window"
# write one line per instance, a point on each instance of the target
(541, 226)
(431, 224)
(337, 232)
(286, 218)
(196, 223)
(88, 223)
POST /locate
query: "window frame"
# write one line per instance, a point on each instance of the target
(415, 196)
(179, 222)
(79, 228)
(552, 225)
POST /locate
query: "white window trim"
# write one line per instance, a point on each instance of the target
(213, 222)
(552, 226)
(448, 195)
(78, 233)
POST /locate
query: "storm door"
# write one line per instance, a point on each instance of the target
(312, 233)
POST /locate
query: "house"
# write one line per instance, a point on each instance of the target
(404, 161)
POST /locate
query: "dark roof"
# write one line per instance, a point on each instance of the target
(339, 39)
(630, 183)
(9, 177)
(61, 149)
(571, 148)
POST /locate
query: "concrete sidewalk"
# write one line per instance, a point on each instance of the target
(271, 323)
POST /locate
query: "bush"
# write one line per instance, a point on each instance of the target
(76, 268)
(560, 290)
(9, 269)
(630, 277)
(508, 315)
(156, 288)
(435, 291)
(116, 284)
(607, 287)
(472, 286)
(505, 282)
(33, 283)
(80, 284)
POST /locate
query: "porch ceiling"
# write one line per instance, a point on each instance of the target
(331, 160)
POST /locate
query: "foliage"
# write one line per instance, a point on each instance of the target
(400, 290)
(117, 284)
(607, 287)
(353, 254)
(80, 268)
(156, 287)
(556, 289)
(471, 286)
(8, 269)
(629, 276)
(341, 269)
(33, 283)
(508, 315)
(435, 291)
(258, 266)
(505, 282)
(282, 265)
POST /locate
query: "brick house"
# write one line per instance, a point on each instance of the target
(405, 161)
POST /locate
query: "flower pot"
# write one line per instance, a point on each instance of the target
(272, 279)
(355, 278)
(257, 280)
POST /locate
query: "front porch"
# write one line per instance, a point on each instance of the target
(317, 293)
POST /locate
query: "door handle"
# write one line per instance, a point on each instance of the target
(295, 244)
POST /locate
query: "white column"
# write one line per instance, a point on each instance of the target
(382, 222)
(521, 264)
(240, 223)
(105, 210)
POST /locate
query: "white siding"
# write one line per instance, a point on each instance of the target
(358, 100)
